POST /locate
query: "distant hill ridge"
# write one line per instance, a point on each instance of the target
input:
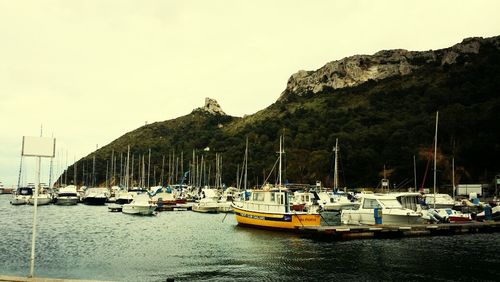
(358, 69)
(381, 107)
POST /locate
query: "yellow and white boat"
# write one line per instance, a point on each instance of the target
(271, 208)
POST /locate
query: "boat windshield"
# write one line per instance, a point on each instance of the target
(25, 191)
(391, 203)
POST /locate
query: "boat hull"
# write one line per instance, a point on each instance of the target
(94, 201)
(275, 220)
(66, 201)
(138, 209)
(18, 201)
(387, 219)
(40, 201)
(204, 208)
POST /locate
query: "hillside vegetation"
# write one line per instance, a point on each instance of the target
(379, 122)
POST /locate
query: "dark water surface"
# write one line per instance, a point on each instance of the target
(88, 242)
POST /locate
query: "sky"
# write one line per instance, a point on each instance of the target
(86, 72)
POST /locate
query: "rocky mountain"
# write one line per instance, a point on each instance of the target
(211, 107)
(381, 107)
(358, 69)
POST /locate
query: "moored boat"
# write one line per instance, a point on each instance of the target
(271, 208)
(141, 205)
(67, 196)
(330, 201)
(392, 212)
(21, 196)
(439, 201)
(208, 202)
(96, 196)
(43, 198)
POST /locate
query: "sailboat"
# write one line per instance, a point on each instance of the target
(22, 195)
(269, 207)
(336, 200)
(446, 214)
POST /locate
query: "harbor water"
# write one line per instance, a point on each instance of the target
(88, 242)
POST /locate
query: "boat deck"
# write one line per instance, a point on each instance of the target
(346, 232)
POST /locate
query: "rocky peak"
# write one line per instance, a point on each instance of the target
(212, 107)
(355, 70)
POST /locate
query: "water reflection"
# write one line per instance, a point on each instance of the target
(88, 242)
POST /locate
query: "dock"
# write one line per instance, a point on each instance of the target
(347, 232)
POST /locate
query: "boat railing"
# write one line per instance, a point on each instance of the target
(266, 207)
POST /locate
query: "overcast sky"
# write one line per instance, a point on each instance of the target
(92, 70)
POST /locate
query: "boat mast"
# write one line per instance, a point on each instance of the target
(107, 167)
(335, 167)
(149, 167)
(143, 183)
(121, 169)
(415, 172)
(74, 171)
(50, 170)
(93, 168)
(280, 164)
(453, 175)
(66, 169)
(246, 167)
(20, 172)
(112, 170)
(435, 152)
(162, 168)
(126, 169)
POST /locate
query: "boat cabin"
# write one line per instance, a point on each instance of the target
(269, 201)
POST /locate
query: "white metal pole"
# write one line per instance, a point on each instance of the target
(33, 237)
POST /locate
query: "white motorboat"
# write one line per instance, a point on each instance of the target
(208, 202)
(43, 198)
(392, 212)
(124, 197)
(330, 201)
(229, 196)
(67, 196)
(304, 201)
(140, 205)
(21, 196)
(448, 215)
(439, 201)
(96, 196)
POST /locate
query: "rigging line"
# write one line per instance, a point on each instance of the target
(427, 167)
(265, 181)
